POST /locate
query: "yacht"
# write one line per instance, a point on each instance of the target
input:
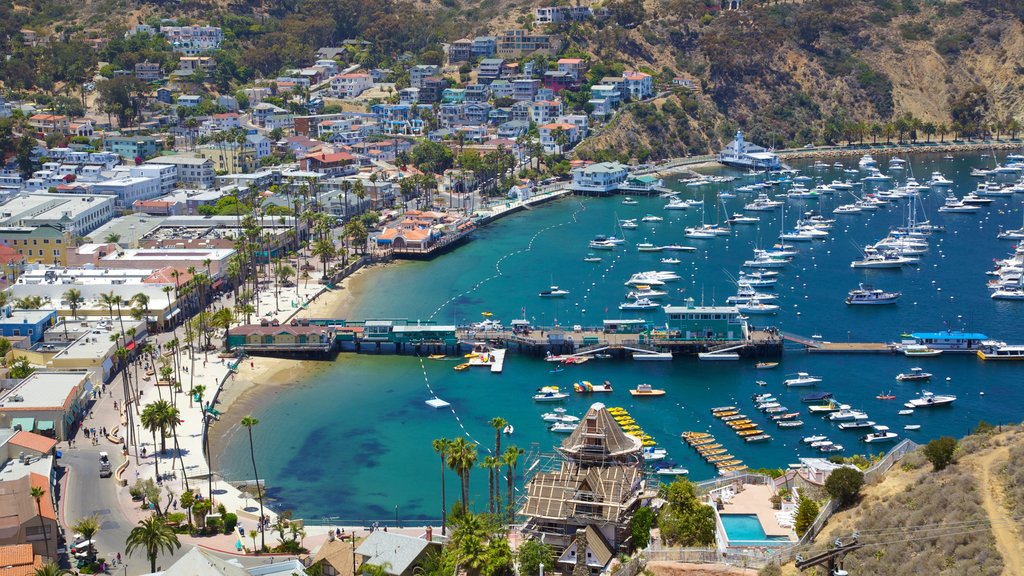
(601, 245)
(756, 280)
(591, 258)
(847, 415)
(848, 209)
(563, 427)
(813, 439)
(802, 379)
(1009, 293)
(672, 471)
(929, 400)
(866, 161)
(629, 224)
(897, 164)
(629, 201)
(881, 434)
(639, 304)
(553, 292)
(953, 204)
(679, 248)
(973, 199)
(559, 415)
(699, 233)
(677, 204)
(854, 424)
(992, 189)
(939, 181)
(866, 295)
(840, 185)
(762, 204)
(549, 395)
(746, 293)
(798, 236)
(887, 259)
(1001, 351)
(651, 218)
(763, 260)
(757, 307)
(638, 294)
(741, 219)
(875, 175)
(648, 247)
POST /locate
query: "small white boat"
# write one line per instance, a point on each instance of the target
(670, 260)
(912, 427)
(881, 434)
(929, 400)
(550, 396)
(813, 439)
(563, 427)
(553, 292)
(629, 201)
(648, 247)
(652, 454)
(639, 304)
(802, 379)
(906, 412)
(915, 375)
(677, 204)
(559, 415)
(591, 258)
(679, 248)
(651, 218)
(757, 307)
(920, 351)
(718, 356)
(866, 295)
(672, 471)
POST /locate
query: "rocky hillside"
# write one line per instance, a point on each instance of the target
(961, 520)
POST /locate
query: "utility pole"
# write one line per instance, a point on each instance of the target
(830, 558)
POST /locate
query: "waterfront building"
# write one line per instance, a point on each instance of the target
(692, 322)
(950, 340)
(599, 178)
(596, 484)
(397, 554)
(282, 338)
(77, 212)
(743, 154)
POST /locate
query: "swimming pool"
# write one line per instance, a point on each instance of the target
(743, 529)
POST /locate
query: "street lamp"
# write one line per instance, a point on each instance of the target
(397, 525)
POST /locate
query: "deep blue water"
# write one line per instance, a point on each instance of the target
(354, 439)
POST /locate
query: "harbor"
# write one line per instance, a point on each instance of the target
(500, 275)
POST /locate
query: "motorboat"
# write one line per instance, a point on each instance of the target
(672, 471)
(844, 415)
(629, 201)
(1009, 293)
(929, 400)
(973, 199)
(765, 365)
(649, 293)
(559, 415)
(719, 356)
(601, 245)
(939, 181)
(563, 427)
(585, 387)
(648, 247)
(882, 259)
(676, 204)
(757, 307)
(762, 204)
(881, 434)
(802, 379)
(789, 423)
(671, 261)
(854, 424)
(554, 292)
(762, 259)
(848, 209)
(866, 295)
(896, 163)
(956, 206)
(745, 294)
(679, 248)
(639, 304)
(906, 412)
(699, 233)
(866, 161)
(915, 375)
(742, 219)
(549, 395)
(912, 427)
(815, 397)
(651, 218)
(652, 454)
(1001, 351)
(813, 439)
(591, 258)
(920, 351)
(646, 390)
(830, 406)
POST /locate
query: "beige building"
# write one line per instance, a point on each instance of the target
(48, 403)
(19, 516)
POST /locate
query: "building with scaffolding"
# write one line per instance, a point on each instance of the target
(593, 486)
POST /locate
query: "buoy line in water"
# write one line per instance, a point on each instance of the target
(426, 381)
(497, 264)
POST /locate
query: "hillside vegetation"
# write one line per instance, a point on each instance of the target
(961, 520)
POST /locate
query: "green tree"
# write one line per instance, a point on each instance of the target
(20, 368)
(152, 419)
(640, 527)
(37, 494)
(431, 157)
(87, 527)
(152, 535)
(51, 568)
(941, 452)
(533, 554)
(499, 424)
(441, 446)
(844, 485)
(806, 513)
(74, 299)
(686, 521)
(461, 458)
(5, 349)
(248, 422)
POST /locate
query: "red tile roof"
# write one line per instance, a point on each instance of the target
(33, 442)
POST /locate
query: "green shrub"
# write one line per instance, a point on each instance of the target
(940, 452)
(230, 521)
(805, 515)
(844, 485)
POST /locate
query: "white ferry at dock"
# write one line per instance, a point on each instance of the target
(949, 340)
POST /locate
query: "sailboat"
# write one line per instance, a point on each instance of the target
(1017, 234)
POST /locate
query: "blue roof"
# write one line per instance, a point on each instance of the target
(957, 335)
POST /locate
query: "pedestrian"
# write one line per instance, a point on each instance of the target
(252, 364)
(118, 557)
(174, 504)
(143, 451)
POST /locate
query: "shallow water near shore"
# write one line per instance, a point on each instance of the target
(353, 440)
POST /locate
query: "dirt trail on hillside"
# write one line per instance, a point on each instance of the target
(1008, 542)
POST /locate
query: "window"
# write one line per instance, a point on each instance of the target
(16, 332)
(46, 240)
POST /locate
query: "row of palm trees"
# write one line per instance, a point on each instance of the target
(460, 456)
(908, 127)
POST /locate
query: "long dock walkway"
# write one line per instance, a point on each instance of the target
(853, 348)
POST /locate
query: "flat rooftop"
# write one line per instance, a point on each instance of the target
(36, 207)
(26, 316)
(43, 390)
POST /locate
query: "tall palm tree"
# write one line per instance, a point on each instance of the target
(461, 458)
(152, 420)
(511, 459)
(75, 300)
(498, 423)
(87, 527)
(249, 422)
(37, 493)
(441, 446)
(490, 463)
(152, 535)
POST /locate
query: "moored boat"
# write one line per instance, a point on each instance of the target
(802, 379)
(646, 390)
(929, 400)
(915, 375)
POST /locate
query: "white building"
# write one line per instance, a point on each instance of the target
(192, 40)
(191, 171)
(351, 85)
(549, 136)
(743, 154)
(77, 212)
(601, 178)
(639, 85)
(167, 174)
(130, 189)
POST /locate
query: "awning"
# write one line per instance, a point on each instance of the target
(27, 424)
(45, 425)
(172, 313)
(130, 346)
(217, 284)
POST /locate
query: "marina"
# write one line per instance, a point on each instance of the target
(857, 350)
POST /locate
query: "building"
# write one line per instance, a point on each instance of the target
(29, 323)
(460, 51)
(691, 322)
(20, 519)
(166, 174)
(131, 147)
(20, 560)
(351, 85)
(192, 40)
(515, 43)
(418, 73)
(484, 46)
(599, 178)
(191, 64)
(201, 562)
(489, 70)
(525, 88)
(575, 67)
(192, 171)
(558, 14)
(12, 264)
(129, 189)
(78, 213)
(148, 71)
(54, 401)
(597, 483)
(639, 85)
(551, 135)
(231, 156)
(397, 554)
(545, 111)
(43, 244)
(274, 337)
(743, 154)
(336, 164)
(50, 123)
(333, 558)
(270, 117)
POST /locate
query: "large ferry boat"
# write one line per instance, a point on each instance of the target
(1001, 351)
(742, 154)
(949, 340)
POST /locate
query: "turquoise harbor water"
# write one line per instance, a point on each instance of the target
(354, 440)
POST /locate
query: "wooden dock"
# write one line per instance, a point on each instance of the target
(852, 348)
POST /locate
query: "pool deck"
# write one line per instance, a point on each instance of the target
(755, 499)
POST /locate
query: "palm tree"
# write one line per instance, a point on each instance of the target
(37, 493)
(461, 458)
(249, 422)
(511, 459)
(367, 569)
(51, 568)
(324, 249)
(153, 535)
(152, 419)
(441, 446)
(490, 463)
(498, 423)
(223, 318)
(87, 527)
(75, 300)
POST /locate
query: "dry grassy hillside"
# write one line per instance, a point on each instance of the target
(962, 520)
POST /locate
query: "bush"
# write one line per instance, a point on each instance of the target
(640, 527)
(940, 452)
(533, 554)
(844, 485)
(805, 515)
(984, 428)
(230, 521)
